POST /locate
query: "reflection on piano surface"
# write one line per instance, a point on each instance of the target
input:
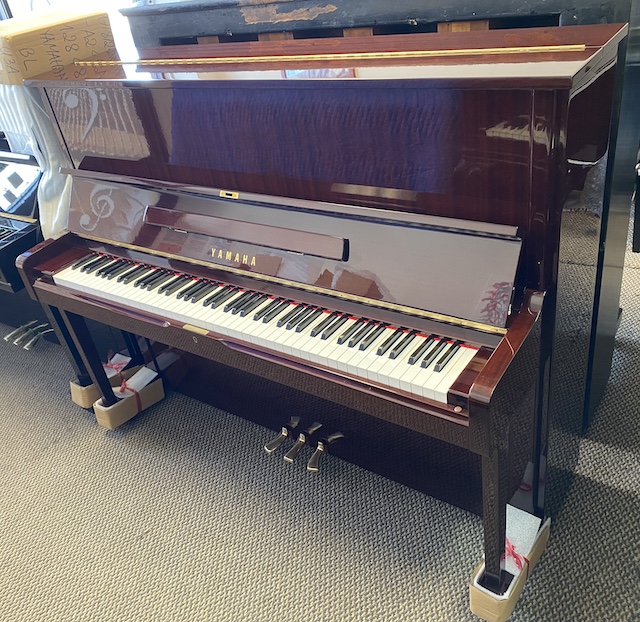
(385, 238)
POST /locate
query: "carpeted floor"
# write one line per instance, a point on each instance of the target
(180, 515)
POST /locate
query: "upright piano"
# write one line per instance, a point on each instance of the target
(374, 220)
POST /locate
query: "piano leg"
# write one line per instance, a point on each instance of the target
(60, 328)
(131, 342)
(494, 519)
(81, 337)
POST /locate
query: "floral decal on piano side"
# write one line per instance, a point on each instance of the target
(497, 301)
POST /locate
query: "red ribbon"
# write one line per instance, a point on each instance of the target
(124, 387)
(117, 366)
(519, 560)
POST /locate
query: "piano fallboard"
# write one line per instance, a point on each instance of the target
(424, 265)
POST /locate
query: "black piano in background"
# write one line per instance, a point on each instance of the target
(19, 229)
(400, 198)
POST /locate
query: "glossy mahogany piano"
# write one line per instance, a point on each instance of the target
(375, 221)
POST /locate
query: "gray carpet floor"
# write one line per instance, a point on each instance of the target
(180, 515)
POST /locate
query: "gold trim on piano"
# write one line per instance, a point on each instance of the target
(195, 329)
(381, 304)
(408, 54)
(11, 216)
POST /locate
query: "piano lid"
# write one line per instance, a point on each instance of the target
(556, 55)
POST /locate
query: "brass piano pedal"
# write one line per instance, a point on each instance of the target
(322, 448)
(14, 334)
(274, 444)
(303, 437)
(30, 332)
(32, 342)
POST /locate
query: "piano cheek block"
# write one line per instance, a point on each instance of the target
(113, 416)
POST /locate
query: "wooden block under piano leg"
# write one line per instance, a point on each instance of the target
(111, 417)
(87, 396)
(498, 607)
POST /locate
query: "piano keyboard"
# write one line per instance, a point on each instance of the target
(371, 351)
(5, 232)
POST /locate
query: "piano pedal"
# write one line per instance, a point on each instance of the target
(29, 333)
(32, 342)
(303, 437)
(14, 334)
(313, 466)
(285, 432)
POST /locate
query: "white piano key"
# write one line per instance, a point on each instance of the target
(431, 382)
(451, 373)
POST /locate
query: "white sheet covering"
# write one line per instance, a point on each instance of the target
(29, 131)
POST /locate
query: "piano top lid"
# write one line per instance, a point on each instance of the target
(559, 56)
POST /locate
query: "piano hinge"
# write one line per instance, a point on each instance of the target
(228, 194)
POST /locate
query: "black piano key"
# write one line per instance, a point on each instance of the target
(123, 267)
(185, 284)
(174, 286)
(308, 320)
(108, 269)
(94, 265)
(160, 278)
(190, 286)
(144, 279)
(275, 312)
(420, 350)
(225, 296)
(131, 274)
(272, 305)
(397, 351)
(193, 290)
(205, 291)
(322, 325)
(384, 347)
(256, 302)
(447, 356)
(216, 294)
(196, 290)
(83, 260)
(287, 317)
(176, 278)
(239, 303)
(132, 278)
(361, 334)
(433, 354)
(371, 337)
(295, 322)
(352, 329)
(106, 262)
(238, 300)
(335, 325)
